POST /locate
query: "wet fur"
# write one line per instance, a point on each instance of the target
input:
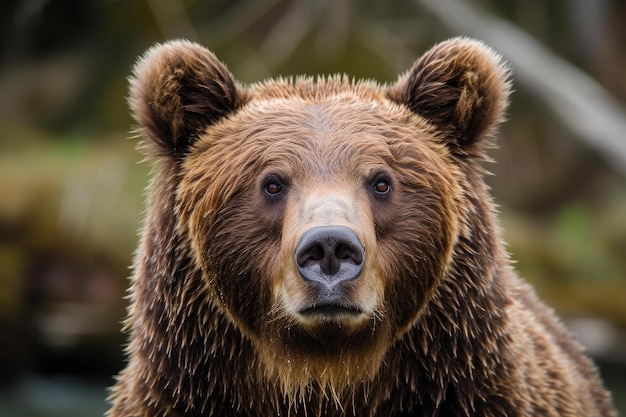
(455, 333)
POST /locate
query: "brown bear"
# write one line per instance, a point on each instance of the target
(326, 247)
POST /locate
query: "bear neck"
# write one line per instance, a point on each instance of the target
(187, 358)
(462, 341)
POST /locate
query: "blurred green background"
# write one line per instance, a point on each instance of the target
(72, 187)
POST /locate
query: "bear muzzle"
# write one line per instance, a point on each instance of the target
(326, 258)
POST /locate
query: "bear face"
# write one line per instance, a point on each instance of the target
(296, 176)
(282, 159)
(328, 247)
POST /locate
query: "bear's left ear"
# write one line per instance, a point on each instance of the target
(461, 86)
(176, 91)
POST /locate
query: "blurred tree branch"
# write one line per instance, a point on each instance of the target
(582, 104)
(235, 21)
(171, 16)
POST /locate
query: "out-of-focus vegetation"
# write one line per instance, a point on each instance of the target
(71, 187)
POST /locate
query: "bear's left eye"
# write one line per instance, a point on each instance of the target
(382, 187)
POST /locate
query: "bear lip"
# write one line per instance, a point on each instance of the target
(330, 310)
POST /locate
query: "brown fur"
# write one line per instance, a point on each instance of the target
(445, 326)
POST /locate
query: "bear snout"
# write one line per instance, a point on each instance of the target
(329, 255)
(326, 257)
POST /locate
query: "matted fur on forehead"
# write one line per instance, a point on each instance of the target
(297, 135)
(316, 88)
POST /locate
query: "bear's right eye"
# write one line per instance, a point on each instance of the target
(273, 188)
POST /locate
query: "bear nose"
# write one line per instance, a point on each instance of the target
(329, 255)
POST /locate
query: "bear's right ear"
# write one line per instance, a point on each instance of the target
(461, 87)
(176, 91)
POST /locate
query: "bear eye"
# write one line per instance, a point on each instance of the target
(382, 187)
(273, 188)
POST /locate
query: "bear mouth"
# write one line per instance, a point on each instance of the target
(330, 310)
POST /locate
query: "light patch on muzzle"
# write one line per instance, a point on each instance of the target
(330, 251)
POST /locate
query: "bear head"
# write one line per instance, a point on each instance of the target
(320, 217)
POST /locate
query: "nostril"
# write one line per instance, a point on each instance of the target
(329, 254)
(315, 253)
(309, 255)
(345, 252)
